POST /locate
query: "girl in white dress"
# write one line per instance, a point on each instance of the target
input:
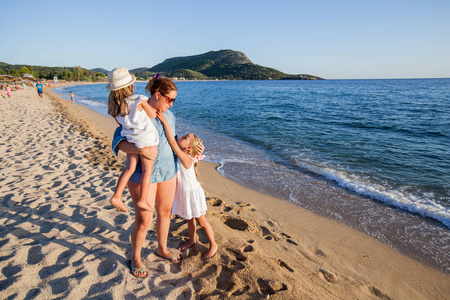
(190, 201)
(134, 113)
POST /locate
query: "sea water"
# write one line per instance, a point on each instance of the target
(372, 154)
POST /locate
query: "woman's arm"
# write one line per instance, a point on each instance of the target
(185, 159)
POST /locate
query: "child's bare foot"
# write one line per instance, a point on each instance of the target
(188, 245)
(118, 204)
(211, 252)
(144, 205)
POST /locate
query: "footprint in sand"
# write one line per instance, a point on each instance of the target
(328, 276)
(214, 201)
(227, 280)
(65, 256)
(236, 265)
(288, 239)
(283, 264)
(238, 254)
(34, 255)
(241, 291)
(249, 248)
(245, 205)
(270, 287)
(3, 242)
(273, 235)
(228, 208)
(120, 219)
(33, 293)
(378, 293)
(106, 267)
(235, 223)
(59, 285)
(50, 270)
(267, 234)
(10, 270)
(320, 253)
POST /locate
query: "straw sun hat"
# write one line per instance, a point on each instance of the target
(119, 78)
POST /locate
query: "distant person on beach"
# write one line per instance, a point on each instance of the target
(8, 91)
(163, 182)
(134, 114)
(40, 89)
(190, 200)
(72, 98)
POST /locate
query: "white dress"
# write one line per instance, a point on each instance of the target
(190, 200)
(137, 127)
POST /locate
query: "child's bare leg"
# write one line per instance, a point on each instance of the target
(116, 200)
(210, 234)
(192, 227)
(147, 169)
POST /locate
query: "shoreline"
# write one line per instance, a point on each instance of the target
(420, 238)
(289, 223)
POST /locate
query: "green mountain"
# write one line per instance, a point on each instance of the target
(64, 73)
(100, 70)
(223, 64)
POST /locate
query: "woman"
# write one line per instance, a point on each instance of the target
(163, 180)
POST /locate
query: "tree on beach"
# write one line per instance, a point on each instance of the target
(25, 70)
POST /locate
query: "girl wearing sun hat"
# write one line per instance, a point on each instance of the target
(134, 114)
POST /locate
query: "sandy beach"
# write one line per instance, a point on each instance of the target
(60, 237)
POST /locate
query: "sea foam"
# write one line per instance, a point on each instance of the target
(396, 198)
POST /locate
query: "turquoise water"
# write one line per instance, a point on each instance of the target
(385, 141)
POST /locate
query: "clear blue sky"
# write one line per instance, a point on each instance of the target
(332, 39)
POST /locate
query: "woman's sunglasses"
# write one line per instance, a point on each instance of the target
(170, 100)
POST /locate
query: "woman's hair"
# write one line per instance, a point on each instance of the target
(160, 84)
(116, 101)
(195, 140)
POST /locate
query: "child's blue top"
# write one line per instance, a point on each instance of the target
(165, 165)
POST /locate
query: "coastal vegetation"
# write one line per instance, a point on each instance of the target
(63, 73)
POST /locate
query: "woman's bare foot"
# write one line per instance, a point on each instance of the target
(144, 205)
(211, 252)
(118, 204)
(188, 245)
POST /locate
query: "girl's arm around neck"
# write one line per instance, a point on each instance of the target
(185, 159)
(149, 110)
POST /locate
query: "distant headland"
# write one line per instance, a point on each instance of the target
(213, 65)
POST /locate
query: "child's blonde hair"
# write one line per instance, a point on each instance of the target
(116, 101)
(195, 140)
